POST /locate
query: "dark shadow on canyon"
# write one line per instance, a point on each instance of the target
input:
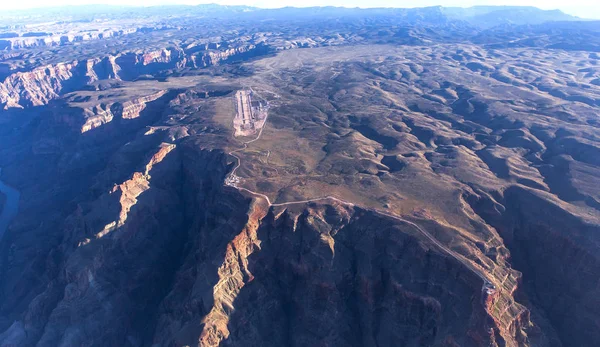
(559, 274)
(53, 167)
(373, 284)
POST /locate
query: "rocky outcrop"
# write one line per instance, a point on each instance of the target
(97, 116)
(130, 190)
(104, 113)
(102, 254)
(216, 57)
(131, 109)
(323, 275)
(36, 87)
(135, 64)
(555, 251)
(467, 212)
(49, 40)
(43, 84)
(320, 275)
(219, 269)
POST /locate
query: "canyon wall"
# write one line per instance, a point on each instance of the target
(556, 252)
(32, 40)
(127, 235)
(171, 256)
(103, 113)
(43, 84)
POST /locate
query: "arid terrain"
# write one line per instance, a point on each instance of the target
(330, 177)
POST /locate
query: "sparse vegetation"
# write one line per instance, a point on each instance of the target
(385, 177)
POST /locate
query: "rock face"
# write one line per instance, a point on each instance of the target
(321, 276)
(86, 298)
(558, 270)
(48, 40)
(43, 84)
(406, 187)
(104, 113)
(36, 87)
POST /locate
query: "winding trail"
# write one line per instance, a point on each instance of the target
(10, 208)
(231, 178)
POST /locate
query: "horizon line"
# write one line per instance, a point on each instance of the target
(115, 6)
(269, 8)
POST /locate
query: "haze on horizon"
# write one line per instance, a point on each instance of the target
(581, 8)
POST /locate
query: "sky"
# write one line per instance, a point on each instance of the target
(581, 8)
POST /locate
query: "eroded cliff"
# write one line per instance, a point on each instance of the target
(315, 274)
(384, 201)
(43, 84)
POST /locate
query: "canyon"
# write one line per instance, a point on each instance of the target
(302, 177)
(45, 83)
(9, 206)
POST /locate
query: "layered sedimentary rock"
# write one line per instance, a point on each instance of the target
(318, 274)
(104, 113)
(43, 84)
(325, 273)
(555, 250)
(36, 87)
(132, 109)
(101, 241)
(321, 275)
(50, 40)
(217, 56)
(445, 194)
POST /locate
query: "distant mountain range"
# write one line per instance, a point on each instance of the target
(211, 176)
(490, 16)
(480, 16)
